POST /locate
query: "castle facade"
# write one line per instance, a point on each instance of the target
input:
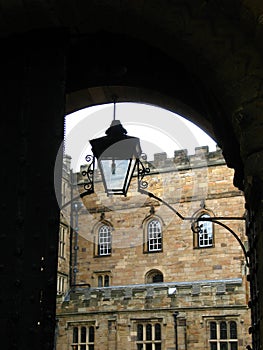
(138, 277)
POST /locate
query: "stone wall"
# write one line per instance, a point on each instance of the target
(118, 309)
(200, 284)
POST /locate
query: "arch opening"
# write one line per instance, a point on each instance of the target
(160, 130)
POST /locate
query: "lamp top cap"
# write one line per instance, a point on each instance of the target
(116, 143)
(116, 127)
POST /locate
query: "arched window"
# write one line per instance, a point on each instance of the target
(154, 236)
(148, 331)
(223, 330)
(158, 331)
(91, 334)
(205, 238)
(233, 330)
(154, 276)
(75, 335)
(204, 235)
(104, 240)
(213, 333)
(139, 332)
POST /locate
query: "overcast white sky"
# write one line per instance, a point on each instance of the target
(158, 129)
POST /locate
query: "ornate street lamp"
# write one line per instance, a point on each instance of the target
(117, 155)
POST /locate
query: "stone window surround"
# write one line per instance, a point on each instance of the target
(218, 319)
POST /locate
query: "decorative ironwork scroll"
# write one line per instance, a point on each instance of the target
(142, 171)
(89, 174)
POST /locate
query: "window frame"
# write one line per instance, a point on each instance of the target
(198, 231)
(221, 334)
(96, 238)
(62, 243)
(103, 280)
(105, 241)
(206, 236)
(62, 283)
(77, 341)
(154, 240)
(151, 333)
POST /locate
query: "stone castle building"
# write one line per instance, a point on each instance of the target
(133, 275)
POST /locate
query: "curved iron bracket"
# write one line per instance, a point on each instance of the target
(89, 173)
(196, 228)
(142, 171)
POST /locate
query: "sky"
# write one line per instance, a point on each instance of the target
(159, 130)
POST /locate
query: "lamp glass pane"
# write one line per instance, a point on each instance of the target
(117, 174)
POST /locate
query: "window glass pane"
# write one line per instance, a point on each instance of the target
(116, 172)
(154, 235)
(213, 346)
(205, 236)
(148, 332)
(139, 346)
(82, 347)
(104, 240)
(157, 278)
(106, 281)
(158, 346)
(83, 335)
(223, 330)
(213, 330)
(74, 347)
(91, 347)
(75, 335)
(233, 330)
(223, 346)
(139, 332)
(91, 334)
(158, 335)
(148, 346)
(233, 346)
(99, 281)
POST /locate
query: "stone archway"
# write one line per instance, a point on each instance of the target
(216, 44)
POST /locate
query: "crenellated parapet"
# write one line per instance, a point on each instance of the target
(182, 160)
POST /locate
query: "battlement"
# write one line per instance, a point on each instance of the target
(182, 160)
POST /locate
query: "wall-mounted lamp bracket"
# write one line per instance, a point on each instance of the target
(89, 174)
(194, 221)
